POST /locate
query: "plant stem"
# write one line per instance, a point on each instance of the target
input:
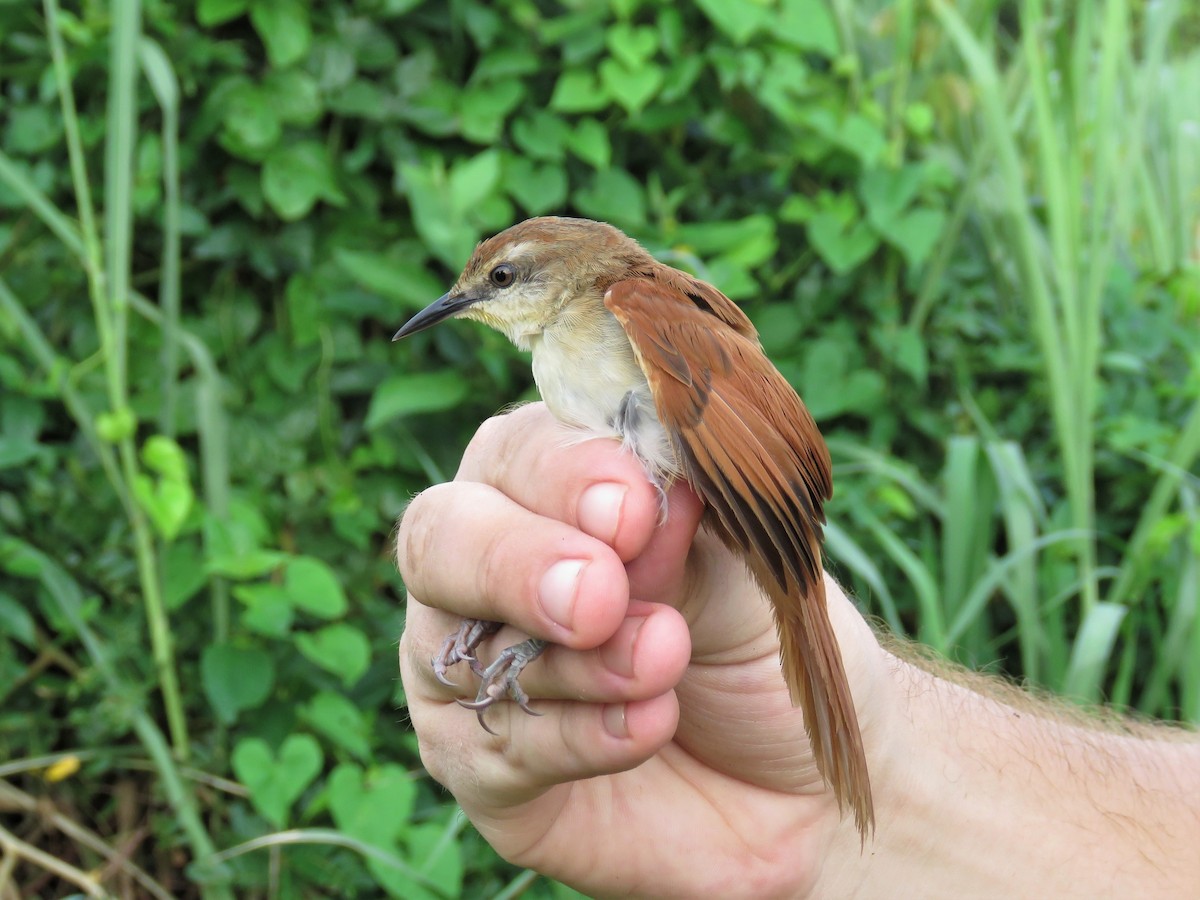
(109, 287)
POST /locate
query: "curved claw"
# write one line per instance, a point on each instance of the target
(477, 705)
(524, 704)
(501, 680)
(460, 647)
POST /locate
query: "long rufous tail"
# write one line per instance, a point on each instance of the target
(816, 678)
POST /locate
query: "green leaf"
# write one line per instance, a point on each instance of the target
(474, 180)
(162, 455)
(169, 500)
(373, 807)
(888, 192)
(437, 858)
(167, 503)
(407, 281)
(539, 189)
(406, 394)
(276, 780)
(632, 88)
(1092, 650)
(16, 622)
(632, 46)
(116, 425)
(917, 233)
(543, 135)
(578, 90)
(235, 679)
(340, 721)
(16, 450)
(809, 25)
(32, 129)
(589, 141)
(294, 96)
(234, 547)
(910, 354)
(443, 226)
(269, 611)
(249, 121)
(842, 247)
(311, 585)
(613, 195)
(739, 19)
(284, 28)
(296, 176)
(832, 384)
(484, 108)
(218, 12)
(339, 648)
(749, 241)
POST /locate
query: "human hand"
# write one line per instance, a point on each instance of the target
(668, 760)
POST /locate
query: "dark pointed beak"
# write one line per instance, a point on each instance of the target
(442, 308)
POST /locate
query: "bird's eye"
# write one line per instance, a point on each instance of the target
(503, 275)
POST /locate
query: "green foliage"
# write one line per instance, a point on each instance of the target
(966, 233)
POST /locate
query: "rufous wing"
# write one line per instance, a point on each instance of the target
(748, 446)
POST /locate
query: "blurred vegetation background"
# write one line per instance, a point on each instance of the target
(969, 233)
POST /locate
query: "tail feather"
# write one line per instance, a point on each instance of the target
(816, 679)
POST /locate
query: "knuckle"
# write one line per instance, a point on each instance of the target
(495, 567)
(416, 532)
(492, 441)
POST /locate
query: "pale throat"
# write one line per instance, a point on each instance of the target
(587, 373)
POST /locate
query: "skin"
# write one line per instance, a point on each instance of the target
(668, 760)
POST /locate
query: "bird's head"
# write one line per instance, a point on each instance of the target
(519, 281)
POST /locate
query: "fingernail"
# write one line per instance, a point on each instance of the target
(600, 509)
(614, 720)
(558, 587)
(617, 654)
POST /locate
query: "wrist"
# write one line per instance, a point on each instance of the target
(974, 794)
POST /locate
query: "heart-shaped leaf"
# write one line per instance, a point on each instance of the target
(613, 196)
(736, 18)
(312, 586)
(436, 858)
(340, 721)
(589, 141)
(632, 88)
(235, 679)
(276, 780)
(284, 28)
(296, 176)
(374, 807)
(632, 46)
(578, 91)
(841, 244)
(541, 135)
(916, 233)
(268, 610)
(540, 189)
(338, 648)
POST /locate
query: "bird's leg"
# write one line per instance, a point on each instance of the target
(500, 679)
(460, 647)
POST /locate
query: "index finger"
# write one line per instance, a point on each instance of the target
(589, 483)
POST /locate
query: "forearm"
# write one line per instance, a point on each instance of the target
(986, 796)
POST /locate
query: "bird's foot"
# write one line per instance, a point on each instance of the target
(460, 647)
(500, 679)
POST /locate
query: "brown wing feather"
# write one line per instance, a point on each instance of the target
(749, 447)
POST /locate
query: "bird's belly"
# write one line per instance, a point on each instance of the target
(604, 393)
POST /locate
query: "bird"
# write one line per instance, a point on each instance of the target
(625, 346)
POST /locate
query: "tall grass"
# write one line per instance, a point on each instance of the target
(1103, 130)
(112, 432)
